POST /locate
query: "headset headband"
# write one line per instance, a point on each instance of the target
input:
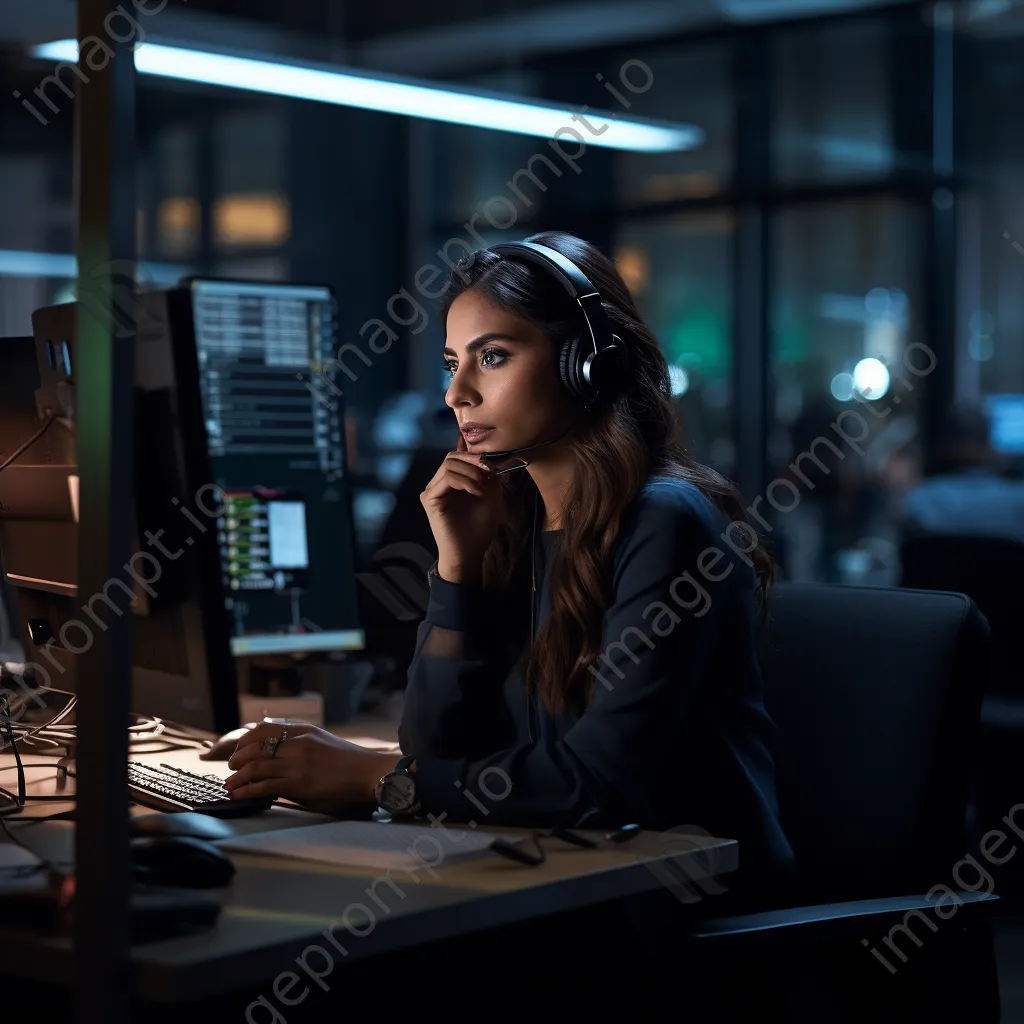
(572, 279)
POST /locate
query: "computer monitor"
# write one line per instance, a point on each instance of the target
(182, 669)
(276, 450)
(1006, 423)
(243, 509)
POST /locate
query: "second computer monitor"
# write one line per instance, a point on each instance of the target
(1006, 416)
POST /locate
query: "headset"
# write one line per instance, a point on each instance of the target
(592, 364)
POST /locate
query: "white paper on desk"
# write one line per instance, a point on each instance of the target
(369, 844)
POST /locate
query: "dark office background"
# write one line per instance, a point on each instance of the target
(856, 203)
(851, 199)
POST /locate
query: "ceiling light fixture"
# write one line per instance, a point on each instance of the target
(393, 95)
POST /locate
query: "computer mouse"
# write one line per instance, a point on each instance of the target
(181, 823)
(224, 746)
(182, 861)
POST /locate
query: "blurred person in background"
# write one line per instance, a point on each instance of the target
(827, 517)
(968, 488)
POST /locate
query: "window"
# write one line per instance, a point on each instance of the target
(679, 270)
(845, 317)
(691, 85)
(990, 266)
(833, 104)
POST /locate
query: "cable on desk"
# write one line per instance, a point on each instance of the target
(518, 852)
(168, 732)
(6, 715)
(37, 731)
(20, 801)
(149, 729)
(58, 816)
(17, 806)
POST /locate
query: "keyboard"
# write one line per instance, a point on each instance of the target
(166, 788)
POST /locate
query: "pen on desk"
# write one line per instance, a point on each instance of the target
(573, 837)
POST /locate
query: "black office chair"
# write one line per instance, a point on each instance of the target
(989, 570)
(876, 694)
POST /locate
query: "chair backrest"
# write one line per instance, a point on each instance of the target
(987, 569)
(876, 693)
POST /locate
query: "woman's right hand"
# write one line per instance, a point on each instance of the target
(464, 506)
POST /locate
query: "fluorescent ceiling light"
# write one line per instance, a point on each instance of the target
(396, 96)
(21, 263)
(36, 264)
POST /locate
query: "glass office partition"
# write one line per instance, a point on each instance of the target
(849, 365)
(990, 266)
(688, 83)
(832, 97)
(679, 270)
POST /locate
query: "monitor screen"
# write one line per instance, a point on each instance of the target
(1006, 417)
(277, 452)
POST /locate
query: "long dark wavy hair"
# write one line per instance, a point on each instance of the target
(623, 443)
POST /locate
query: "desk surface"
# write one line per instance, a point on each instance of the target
(276, 908)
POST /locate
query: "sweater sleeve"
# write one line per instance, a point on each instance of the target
(453, 689)
(651, 676)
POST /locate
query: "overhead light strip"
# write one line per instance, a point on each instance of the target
(24, 263)
(395, 96)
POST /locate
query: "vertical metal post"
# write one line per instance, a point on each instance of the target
(941, 235)
(751, 284)
(105, 193)
(206, 185)
(921, 84)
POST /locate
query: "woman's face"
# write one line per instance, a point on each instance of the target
(504, 377)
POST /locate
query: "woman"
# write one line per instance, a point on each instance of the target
(639, 700)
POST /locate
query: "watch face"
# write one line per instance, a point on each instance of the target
(398, 793)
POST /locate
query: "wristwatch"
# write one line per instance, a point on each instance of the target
(396, 791)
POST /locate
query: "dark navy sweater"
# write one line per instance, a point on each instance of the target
(676, 733)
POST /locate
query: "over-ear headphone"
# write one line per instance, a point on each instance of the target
(594, 363)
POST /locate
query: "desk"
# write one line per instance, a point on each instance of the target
(276, 908)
